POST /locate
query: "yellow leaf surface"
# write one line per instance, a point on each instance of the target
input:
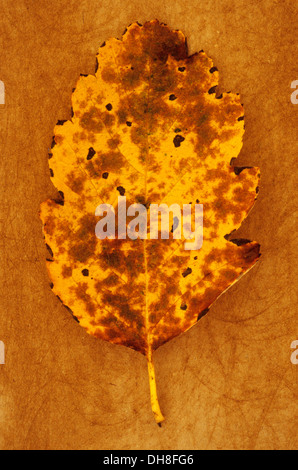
(149, 125)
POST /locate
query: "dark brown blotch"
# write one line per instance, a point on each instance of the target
(49, 250)
(212, 90)
(121, 190)
(66, 271)
(239, 169)
(53, 142)
(178, 139)
(76, 184)
(91, 153)
(187, 272)
(60, 199)
(92, 120)
(113, 143)
(203, 313)
(159, 42)
(240, 241)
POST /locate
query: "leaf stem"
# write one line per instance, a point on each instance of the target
(153, 393)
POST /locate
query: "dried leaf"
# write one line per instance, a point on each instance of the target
(148, 125)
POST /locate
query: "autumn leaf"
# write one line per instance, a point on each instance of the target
(147, 125)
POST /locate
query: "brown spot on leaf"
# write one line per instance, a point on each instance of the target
(66, 271)
(91, 153)
(187, 272)
(178, 139)
(92, 120)
(121, 190)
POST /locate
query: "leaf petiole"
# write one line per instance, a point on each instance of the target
(153, 393)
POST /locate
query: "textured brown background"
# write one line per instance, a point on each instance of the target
(227, 383)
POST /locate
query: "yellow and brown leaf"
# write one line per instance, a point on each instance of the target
(149, 125)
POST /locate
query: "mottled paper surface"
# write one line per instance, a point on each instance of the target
(229, 382)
